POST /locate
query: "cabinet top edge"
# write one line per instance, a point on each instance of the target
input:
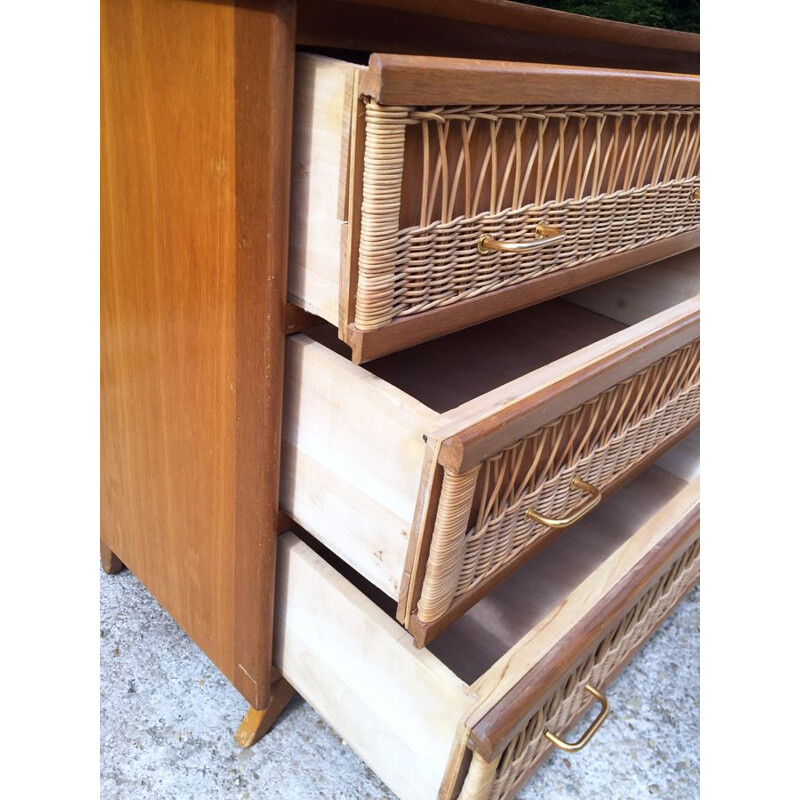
(533, 19)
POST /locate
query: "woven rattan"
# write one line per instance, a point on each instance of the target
(436, 180)
(480, 522)
(500, 779)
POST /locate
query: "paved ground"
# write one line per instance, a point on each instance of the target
(167, 717)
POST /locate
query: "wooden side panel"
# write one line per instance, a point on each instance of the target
(264, 37)
(397, 707)
(683, 461)
(168, 308)
(431, 80)
(636, 295)
(195, 144)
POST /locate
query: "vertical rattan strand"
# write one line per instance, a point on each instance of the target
(447, 544)
(380, 215)
(466, 135)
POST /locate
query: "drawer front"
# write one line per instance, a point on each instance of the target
(486, 519)
(501, 775)
(565, 184)
(464, 200)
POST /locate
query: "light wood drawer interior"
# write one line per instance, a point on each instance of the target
(403, 168)
(438, 471)
(466, 717)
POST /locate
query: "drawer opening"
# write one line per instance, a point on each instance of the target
(419, 469)
(421, 206)
(515, 664)
(448, 372)
(455, 369)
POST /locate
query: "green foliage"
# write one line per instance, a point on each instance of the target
(680, 15)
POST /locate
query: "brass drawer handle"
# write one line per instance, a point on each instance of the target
(573, 747)
(595, 496)
(543, 235)
(696, 194)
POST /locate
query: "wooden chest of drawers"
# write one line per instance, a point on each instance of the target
(491, 396)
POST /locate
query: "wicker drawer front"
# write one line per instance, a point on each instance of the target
(481, 521)
(467, 718)
(502, 777)
(460, 206)
(609, 178)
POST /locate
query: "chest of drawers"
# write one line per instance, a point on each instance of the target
(452, 404)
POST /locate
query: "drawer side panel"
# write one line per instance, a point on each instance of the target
(396, 706)
(353, 459)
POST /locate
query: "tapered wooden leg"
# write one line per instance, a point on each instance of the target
(257, 724)
(111, 564)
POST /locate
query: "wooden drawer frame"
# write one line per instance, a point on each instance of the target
(400, 521)
(351, 133)
(420, 727)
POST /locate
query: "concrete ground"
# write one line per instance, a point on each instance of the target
(167, 718)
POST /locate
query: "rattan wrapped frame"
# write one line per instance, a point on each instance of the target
(407, 162)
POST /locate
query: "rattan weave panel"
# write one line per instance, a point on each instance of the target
(481, 524)
(614, 178)
(501, 779)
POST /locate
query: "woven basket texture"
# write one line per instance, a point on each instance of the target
(436, 180)
(481, 522)
(502, 779)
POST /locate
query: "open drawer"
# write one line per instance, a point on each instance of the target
(475, 714)
(440, 470)
(430, 194)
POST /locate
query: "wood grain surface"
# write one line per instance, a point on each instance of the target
(264, 39)
(433, 80)
(195, 141)
(168, 308)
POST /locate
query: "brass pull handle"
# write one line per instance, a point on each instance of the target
(595, 496)
(543, 235)
(573, 747)
(696, 194)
